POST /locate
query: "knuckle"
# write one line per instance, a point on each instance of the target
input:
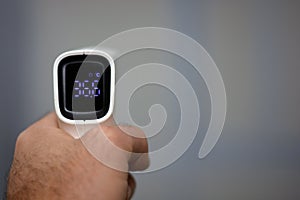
(19, 140)
(119, 138)
(26, 137)
(133, 131)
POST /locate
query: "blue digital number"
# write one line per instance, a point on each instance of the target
(96, 90)
(86, 89)
(77, 86)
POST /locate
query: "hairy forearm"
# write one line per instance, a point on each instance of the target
(39, 180)
(61, 171)
(45, 181)
(36, 174)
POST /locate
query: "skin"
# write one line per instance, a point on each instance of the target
(49, 164)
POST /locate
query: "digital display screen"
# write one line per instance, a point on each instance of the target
(84, 86)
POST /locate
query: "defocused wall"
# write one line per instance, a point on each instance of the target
(256, 45)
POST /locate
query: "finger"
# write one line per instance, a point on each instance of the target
(114, 148)
(139, 161)
(109, 122)
(131, 186)
(128, 138)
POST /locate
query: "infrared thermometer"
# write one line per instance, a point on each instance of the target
(84, 87)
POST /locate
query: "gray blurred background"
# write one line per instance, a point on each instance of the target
(256, 45)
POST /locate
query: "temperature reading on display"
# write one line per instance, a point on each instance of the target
(85, 84)
(86, 88)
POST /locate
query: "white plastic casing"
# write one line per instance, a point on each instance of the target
(55, 84)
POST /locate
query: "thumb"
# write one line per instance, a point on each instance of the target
(116, 149)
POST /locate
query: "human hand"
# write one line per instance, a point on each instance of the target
(50, 164)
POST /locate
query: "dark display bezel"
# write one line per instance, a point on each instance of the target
(97, 114)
